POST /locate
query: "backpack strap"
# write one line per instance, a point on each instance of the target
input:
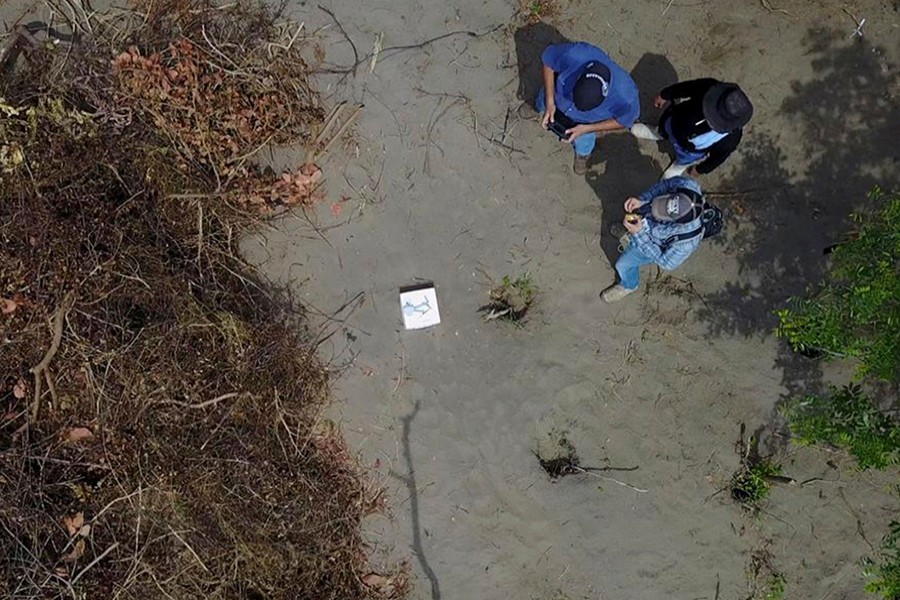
(680, 237)
(697, 198)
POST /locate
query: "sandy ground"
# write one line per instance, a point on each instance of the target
(443, 182)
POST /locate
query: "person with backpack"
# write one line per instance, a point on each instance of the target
(585, 93)
(665, 226)
(704, 120)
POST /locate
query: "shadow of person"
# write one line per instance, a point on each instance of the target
(652, 73)
(531, 40)
(627, 172)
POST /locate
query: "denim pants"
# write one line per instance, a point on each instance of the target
(629, 267)
(583, 144)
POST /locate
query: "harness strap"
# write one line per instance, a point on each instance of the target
(680, 237)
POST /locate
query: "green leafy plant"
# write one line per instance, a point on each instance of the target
(856, 311)
(511, 299)
(884, 573)
(775, 587)
(751, 484)
(847, 418)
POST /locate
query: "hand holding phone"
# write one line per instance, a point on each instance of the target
(558, 128)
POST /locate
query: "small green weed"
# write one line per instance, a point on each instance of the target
(847, 418)
(775, 588)
(511, 300)
(750, 485)
(535, 10)
(884, 573)
(765, 582)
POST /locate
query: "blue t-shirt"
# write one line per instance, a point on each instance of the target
(568, 60)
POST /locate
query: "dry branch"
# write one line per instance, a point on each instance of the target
(40, 370)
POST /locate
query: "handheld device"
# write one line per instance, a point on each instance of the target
(558, 128)
(632, 217)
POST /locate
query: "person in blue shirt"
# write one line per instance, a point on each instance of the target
(587, 93)
(664, 227)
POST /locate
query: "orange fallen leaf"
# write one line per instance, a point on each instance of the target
(74, 524)
(76, 434)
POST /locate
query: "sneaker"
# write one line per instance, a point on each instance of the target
(614, 293)
(527, 112)
(580, 166)
(641, 131)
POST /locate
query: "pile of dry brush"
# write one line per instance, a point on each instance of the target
(160, 408)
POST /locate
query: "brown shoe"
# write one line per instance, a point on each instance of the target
(527, 112)
(614, 293)
(580, 165)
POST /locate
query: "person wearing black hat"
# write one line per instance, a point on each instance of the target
(665, 225)
(704, 120)
(585, 93)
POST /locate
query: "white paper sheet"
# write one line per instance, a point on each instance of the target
(419, 307)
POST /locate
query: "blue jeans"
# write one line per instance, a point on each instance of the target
(683, 156)
(583, 144)
(629, 267)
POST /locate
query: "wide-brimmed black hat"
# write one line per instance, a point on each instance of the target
(726, 107)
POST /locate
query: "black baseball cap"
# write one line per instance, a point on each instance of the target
(592, 86)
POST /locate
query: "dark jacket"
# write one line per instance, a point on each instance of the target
(688, 121)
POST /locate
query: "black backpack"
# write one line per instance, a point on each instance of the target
(711, 220)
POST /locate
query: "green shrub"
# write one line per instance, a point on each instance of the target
(884, 573)
(856, 310)
(848, 419)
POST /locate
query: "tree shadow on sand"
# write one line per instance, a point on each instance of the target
(779, 222)
(410, 481)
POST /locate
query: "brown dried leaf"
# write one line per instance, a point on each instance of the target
(76, 553)
(76, 434)
(20, 390)
(8, 306)
(74, 524)
(374, 580)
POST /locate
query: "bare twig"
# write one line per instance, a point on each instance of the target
(604, 477)
(199, 405)
(94, 562)
(40, 370)
(766, 5)
(346, 37)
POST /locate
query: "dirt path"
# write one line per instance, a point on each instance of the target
(445, 183)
